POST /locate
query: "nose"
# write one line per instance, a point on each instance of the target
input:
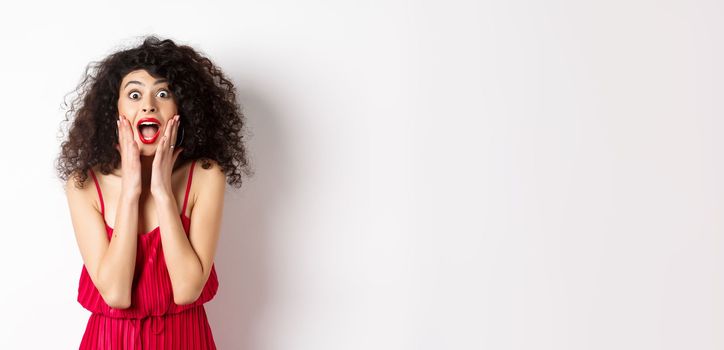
(148, 105)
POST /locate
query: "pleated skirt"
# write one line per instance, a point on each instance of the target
(186, 330)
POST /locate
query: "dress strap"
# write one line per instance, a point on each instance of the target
(188, 186)
(98, 188)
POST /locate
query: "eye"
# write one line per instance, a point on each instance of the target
(132, 93)
(164, 92)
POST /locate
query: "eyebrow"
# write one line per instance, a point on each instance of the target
(159, 81)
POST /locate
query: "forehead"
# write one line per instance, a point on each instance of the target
(140, 75)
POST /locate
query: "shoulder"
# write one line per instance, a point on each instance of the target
(208, 169)
(208, 179)
(74, 183)
(208, 172)
(78, 192)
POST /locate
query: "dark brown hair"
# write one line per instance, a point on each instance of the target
(213, 123)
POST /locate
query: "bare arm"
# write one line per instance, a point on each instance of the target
(111, 264)
(118, 264)
(184, 267)
(189, 259)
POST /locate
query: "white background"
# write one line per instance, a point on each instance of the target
(429, 175)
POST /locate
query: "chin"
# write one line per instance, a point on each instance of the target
(147, 149)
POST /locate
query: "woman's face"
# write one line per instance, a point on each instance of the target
(148, 104)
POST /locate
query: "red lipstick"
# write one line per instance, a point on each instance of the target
(151, 122)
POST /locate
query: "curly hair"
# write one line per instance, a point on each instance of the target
(214, 125)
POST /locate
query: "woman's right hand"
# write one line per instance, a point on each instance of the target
(130, 158)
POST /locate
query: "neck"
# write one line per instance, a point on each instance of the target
(146, 171)
(146, 167)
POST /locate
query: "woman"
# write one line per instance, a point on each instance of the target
(141, 125)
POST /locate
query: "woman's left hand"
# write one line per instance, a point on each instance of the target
(164, 160)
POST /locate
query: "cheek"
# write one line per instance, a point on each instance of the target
(124, 112)
(168, 109)
(126, 107)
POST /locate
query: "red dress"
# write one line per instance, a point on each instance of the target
(153, 321)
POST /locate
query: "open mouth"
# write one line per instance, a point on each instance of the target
(148, 129)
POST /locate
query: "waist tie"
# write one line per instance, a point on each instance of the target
(156, 326)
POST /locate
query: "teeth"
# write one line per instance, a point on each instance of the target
(149, 124)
